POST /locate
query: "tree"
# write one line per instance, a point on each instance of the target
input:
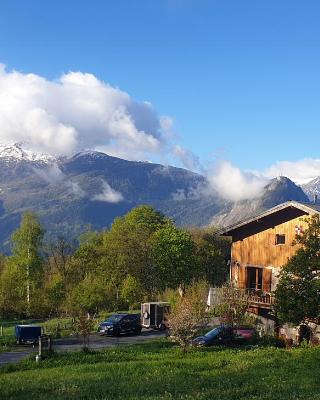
(55, 294)
(211, 254)
(3, 262)
(60, 252)
(230, 304)
(188, 316)
(27, 242)
(12, 291)
(87, 297)
(84, 325)
(298, 291)
(146, 217)
(128, 247)
(132, 292)
(86, 260)
(172, 252)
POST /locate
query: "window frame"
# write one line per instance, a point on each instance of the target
(277, 237)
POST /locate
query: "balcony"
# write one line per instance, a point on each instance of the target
(264, 299)
(253, 297)
(257, 297)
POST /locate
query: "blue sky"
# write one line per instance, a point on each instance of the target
(240, 78)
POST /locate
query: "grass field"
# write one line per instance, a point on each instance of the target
(156, 370)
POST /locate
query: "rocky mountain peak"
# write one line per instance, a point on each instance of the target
(18, 152)
(312, 188)
(69, 193)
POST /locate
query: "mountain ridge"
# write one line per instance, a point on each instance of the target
(92, 188)
(312, 188)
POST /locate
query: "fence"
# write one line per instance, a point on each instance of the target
(54, 329)
(7, 329)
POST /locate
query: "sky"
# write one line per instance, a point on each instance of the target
(230, 87)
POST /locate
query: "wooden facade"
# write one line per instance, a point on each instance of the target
(262, 245)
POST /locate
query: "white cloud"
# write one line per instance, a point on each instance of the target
(233, 184)
(108, 194)
(301, 171)
(52, 174)
(186, 157)
(76, 189)
(77, 111)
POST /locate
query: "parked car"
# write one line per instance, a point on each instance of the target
(226, 335)
(27, 333)
(120, 323)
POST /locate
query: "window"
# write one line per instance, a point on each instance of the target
(280, 239)
(134, 317)
(254, 278)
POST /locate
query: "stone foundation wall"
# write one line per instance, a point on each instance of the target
(267, 324)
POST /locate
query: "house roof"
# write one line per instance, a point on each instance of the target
(307, 208)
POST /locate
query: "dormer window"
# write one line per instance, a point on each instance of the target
(280, 239)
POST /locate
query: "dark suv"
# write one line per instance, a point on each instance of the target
(120, 323)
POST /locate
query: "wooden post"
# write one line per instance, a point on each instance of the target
(49, 344)
(40, 346)
(1, 330)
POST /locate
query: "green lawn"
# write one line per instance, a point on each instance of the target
(156, 370)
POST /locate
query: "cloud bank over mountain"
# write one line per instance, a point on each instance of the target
(233, 184)
(300, 171)
(77, 111)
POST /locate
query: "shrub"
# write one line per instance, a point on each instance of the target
(189, 316)
(84, 325)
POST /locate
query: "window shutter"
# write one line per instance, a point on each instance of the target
(266, 280)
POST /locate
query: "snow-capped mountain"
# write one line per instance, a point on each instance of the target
(17, 152)
(92, 188)
(89, 188)
(312, 188)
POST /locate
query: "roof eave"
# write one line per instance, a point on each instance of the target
(304, 207)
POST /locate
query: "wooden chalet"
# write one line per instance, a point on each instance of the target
(261, 245)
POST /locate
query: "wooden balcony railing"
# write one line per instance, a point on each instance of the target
(264, 299)
(255, 298)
